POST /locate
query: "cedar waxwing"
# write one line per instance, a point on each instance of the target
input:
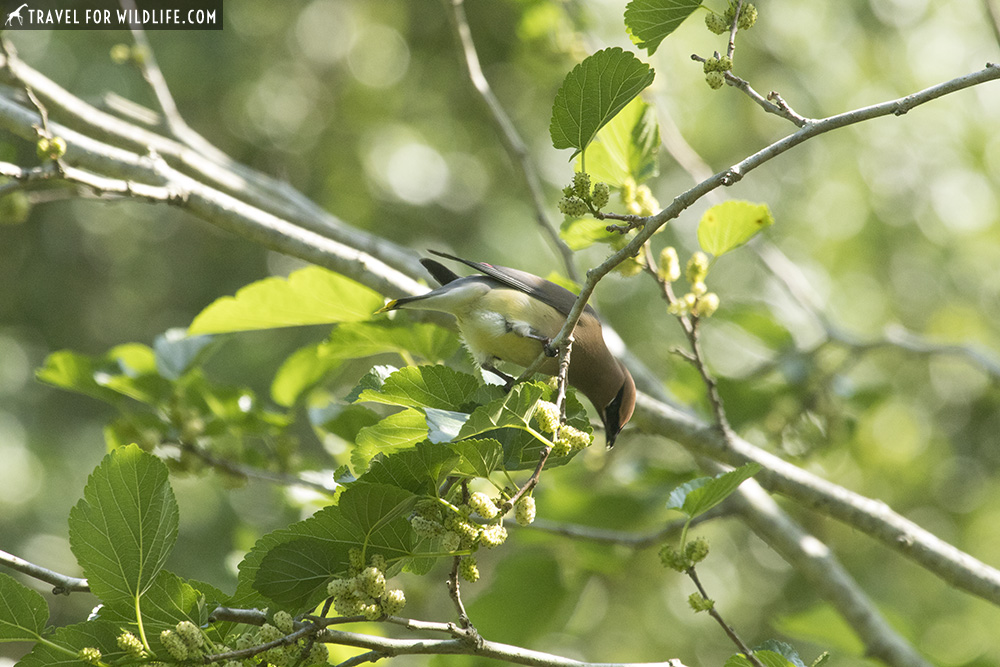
(510, 315)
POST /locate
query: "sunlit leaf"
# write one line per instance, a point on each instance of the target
(625, 148)
(731, 224)
(702, 494)
(591, 95)
(312, 295)
(649, 21)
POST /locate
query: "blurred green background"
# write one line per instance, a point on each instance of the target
(366, 108)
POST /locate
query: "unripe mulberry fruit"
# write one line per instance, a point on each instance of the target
(573, 207)
(715, 80)
(284, 622)
(482, 505)
(601, 195)
(581, 184)
(524, 510)
(716, 23)
(372, 582)
(493, 535)
(547, 415)
(748, 16)
(696, 550)
(393, 601)
(468, 569)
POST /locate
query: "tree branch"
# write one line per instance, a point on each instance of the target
(390, 648)
(869, 516)
(63, 584)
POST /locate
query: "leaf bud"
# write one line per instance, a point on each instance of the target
(699, 603)
(696, 550)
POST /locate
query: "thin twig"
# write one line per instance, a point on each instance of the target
(733, 29)
(249, 472)
(388, 647)
(454, 590)
(714, 613)
(778, 109)
(515, 146)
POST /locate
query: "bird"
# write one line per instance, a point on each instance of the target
(509, 315)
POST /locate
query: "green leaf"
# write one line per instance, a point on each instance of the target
(591, 95)
(176, 352)
(580, 233)
(364, 339)
(444, 425)
(823, 626)
(625, 148)
(168, 601)
(766, 658)
(124, 527)
(395, 432)
(424, 387)
(731, 224)
(373, 379)
(344, 421)
(60, 649)
(785, 650)
(353, 340)
(702, 494)
(480, 458)
(292, 566)
(312, 295)
(301, 370)
(649, 21)
(511, 410)
(418, 470)
(23, 612)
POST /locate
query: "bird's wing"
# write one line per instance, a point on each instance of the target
(545, 291)
(442, 274)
